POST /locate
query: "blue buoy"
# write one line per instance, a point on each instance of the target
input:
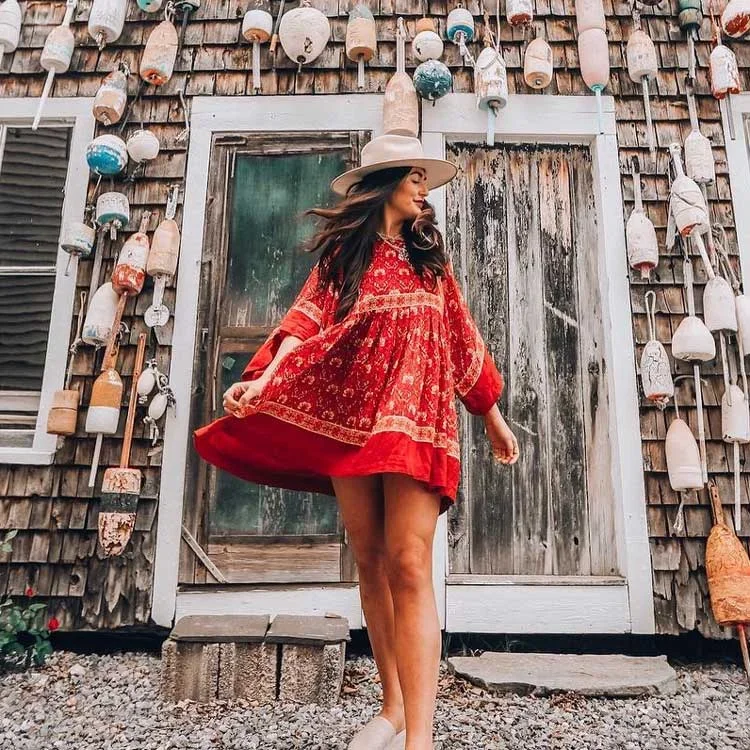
(432, 79)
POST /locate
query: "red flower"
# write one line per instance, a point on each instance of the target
(53, 624)
(29, 591)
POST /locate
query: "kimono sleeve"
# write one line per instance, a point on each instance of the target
(478, 382)
(303, 320)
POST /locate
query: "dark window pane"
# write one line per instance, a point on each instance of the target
(266, 268)
(33, 169)
(25, 310)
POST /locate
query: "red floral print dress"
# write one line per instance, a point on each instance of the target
(372, 393)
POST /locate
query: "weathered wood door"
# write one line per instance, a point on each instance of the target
(253, 267)
(523, 234)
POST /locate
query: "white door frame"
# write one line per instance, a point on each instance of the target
(212, 114)
(738, 160)
(575, 604)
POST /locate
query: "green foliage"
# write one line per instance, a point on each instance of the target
(24, 632)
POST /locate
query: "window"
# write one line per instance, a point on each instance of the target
(43, 179)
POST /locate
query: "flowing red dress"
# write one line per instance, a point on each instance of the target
(372, 393)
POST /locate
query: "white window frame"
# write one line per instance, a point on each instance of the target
(77, 114)
(738, 161)
(577, 605)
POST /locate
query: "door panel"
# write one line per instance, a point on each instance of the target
(526, 247)
(252, 269)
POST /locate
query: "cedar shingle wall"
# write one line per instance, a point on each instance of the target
(56, 552)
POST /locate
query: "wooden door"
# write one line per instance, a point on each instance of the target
(525, 244)
(253, 267)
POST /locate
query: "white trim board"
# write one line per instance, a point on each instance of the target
(738, 160)
(77, 113)
(211, 114)
(574, 119)
(291, 600)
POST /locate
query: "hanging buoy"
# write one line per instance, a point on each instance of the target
(147, 381)
(304, 33)
(150, 6)
(400, 104)
(432, 79)
(257, 27)
(160, 53)
(683, 456)
(100, 316)
(361, 39)
(643, 67)
(690, 18)
(106, 20)
(537, 64)
(10, 27)
(519, 12)
(460, 29)
(686, 202)
(735, 20)
(692, 342)
(56, 56)
(725, 77)
(719, 310)
(130, 271)
(735, 428)
(112, 96)
(77, 240)
(162, 262)
(593, 49)
(112, 212)
(63, 413)
(643, 248)
(121, 486)
(427, 44)
(142, 145)
(699, 159)
(107, 155)
(491, 86)
(656, 374)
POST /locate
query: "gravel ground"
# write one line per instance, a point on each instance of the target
(91, 702)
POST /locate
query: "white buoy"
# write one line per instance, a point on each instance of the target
(642, 68)
(460, 29)
(643, 248)
(56, 55)
(106, 20)
(257, 27)
(537, 64)
(304, 33)
(656, 375)
(10, 27)
(699, 158)
(491, 86)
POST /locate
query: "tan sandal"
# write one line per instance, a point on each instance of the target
(375, 735)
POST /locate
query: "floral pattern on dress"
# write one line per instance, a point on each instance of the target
(394, 364)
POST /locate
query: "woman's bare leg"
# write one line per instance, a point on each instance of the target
(360, 502)
(410, 517)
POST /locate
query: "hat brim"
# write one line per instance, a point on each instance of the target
(439, 172)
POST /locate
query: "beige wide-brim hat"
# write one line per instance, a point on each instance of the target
(386, 151)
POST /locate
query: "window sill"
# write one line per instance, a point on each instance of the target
(26, 456)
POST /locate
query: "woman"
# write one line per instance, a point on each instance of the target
(353, 395)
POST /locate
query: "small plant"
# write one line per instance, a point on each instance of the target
(24, 640)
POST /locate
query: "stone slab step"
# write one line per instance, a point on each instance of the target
(221, 628)
(608, 675)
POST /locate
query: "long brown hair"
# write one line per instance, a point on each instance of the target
(347, 233)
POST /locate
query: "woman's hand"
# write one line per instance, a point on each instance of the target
(238, 396)
(501, 437)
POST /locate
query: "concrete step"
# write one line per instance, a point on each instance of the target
(221, 657)
(610, 675)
